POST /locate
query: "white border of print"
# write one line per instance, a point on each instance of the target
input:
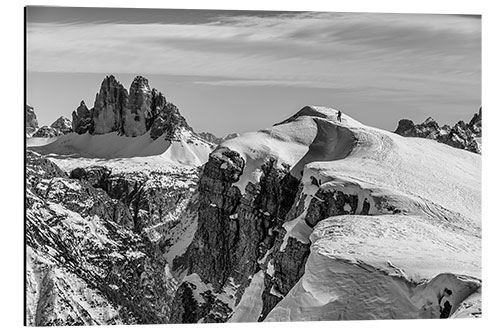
(12, 161)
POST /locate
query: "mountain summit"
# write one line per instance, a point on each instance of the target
(131, 113)
(320, 219)
(129, 124)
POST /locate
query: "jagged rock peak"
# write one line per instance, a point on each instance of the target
(475, 123)
(110, 102)
(461, 135)
(81, 119)
(140, 82)
(130, 113)
(62, 124)
(138, 109)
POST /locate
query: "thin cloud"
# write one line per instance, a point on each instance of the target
(316, 50)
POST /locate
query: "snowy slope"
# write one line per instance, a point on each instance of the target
(188, 150)
(423, 228)
(35, 142)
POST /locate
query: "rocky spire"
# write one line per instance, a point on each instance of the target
(82, 119)
(131, 114)
(109, 106)
(138, 107)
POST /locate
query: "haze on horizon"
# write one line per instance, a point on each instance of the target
(238, 71)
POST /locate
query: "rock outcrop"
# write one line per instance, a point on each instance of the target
(170, 122)
(63, 125)
(31, 121)
(109, 107)
(237, 236)
(131, 113)
(461, 135)
(82, 119)
(138, 108)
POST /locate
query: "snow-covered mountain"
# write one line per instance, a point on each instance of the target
(122, 125)
(107, 213)
(315, 219)
(99, 243)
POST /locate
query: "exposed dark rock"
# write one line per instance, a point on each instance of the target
(31, 121)
(462, 136)
(169, 121)
(82, 119)
(144, 109)
(138, 108)
(97, 176)
(235, 232)
(326, 204)
(158, 102)
(46, 132)
(475, 124)
(109, 107)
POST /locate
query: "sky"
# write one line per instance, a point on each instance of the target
(239, 71)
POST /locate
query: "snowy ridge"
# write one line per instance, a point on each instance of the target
(414, 230)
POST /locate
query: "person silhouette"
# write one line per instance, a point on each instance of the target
(339, 116)
(446, 303)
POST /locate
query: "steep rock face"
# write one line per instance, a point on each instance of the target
(63, 124)
(461, 135)
(168, 121)
(236, 237)
(109, 107)
(84, 264)
(130, 113)
(82, 119)
(155, 200)
(475, 124)
(158, 102)
(138, 108)
(31, 121)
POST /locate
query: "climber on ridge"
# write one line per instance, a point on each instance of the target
(445, 303)
(339, 115)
